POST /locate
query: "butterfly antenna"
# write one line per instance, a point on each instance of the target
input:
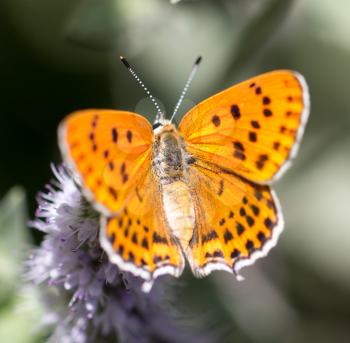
(187, 85)
(160, 115)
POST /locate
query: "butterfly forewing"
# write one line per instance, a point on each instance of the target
(253, 128)
(110, 151)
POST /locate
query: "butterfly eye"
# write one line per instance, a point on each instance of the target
(156, 125)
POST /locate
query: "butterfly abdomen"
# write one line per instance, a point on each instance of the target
(179, 211)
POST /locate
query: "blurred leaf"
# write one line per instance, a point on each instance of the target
(95, 24)
(259, 30)
(13, 218)
(19, 313)
(19, 322)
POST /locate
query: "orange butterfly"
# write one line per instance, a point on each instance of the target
(200, 190)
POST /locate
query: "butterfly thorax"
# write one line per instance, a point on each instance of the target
(170, 167)
(168, 151)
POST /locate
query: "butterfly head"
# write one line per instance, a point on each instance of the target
(162, 125)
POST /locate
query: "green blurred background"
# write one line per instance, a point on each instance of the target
(62, 55)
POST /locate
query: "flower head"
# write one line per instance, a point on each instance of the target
(88, 298)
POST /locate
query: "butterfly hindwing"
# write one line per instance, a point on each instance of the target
(252, 128)
(110, 150)
(237, 221)
(138, 238)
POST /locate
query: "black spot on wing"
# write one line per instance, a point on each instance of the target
(144, 243)
(252, 136)
(210, 236)
(218, 253)
(266, 100)
(159, 239)
(235, 253)
(114, 135)
(216, 120)
(240, 229)
(267, 112)
(129, 136)
(228, 236)
(235, 111)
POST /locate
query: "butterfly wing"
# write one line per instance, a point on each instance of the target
(139, 240)
(252, 128)
(237, 221)
(110, 151)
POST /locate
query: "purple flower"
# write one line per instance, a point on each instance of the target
(87, 298)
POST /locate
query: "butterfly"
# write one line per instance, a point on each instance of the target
(200, 190)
